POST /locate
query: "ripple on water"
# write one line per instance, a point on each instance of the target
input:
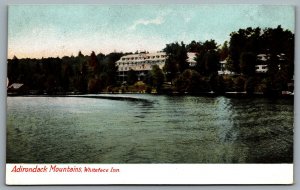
(155, 129)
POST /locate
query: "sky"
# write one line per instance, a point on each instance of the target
(36, 31)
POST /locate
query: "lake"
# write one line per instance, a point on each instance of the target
(141, 128)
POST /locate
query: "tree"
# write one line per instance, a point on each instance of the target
(247, 63)
(82, 83)
(194, 46)
(110, 68)
(237, 41)
(157, 77)
(250, 85)
(182, 57)
(131, 77)
(13, 70)
(212, 62)
(176, 61)
(207, 58)
(93, 85)
(67, 73)
(244, 40)
(94, 68)
(279, 44)
(217, 84)
(224, 51)
(191, 81)
(239, 84)
(38, 78)
(210, 45)
(100, 57)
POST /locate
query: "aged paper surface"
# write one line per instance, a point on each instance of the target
(150, 94)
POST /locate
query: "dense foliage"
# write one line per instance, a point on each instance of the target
(241, 55)
(98, 73)
(80, 74)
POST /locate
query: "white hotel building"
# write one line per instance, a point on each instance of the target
(142, 63)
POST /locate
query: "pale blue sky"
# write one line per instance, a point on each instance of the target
(58, 30)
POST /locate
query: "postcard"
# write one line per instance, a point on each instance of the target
(150, 94)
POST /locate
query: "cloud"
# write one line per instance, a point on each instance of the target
(160, 19)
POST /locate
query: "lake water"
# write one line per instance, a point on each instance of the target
(149, 129)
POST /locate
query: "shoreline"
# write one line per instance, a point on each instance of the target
(241, 95)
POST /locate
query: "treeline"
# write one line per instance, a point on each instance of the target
(98, 73)
(81, 74)
(240, 54)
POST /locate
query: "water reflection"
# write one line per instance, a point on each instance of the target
(149, 129)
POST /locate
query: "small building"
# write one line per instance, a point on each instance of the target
(223, 70)
(261, 68)
(192, 59)
(16, 88)
(263, 57)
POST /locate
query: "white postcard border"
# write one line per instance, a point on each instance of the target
(137, 174)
